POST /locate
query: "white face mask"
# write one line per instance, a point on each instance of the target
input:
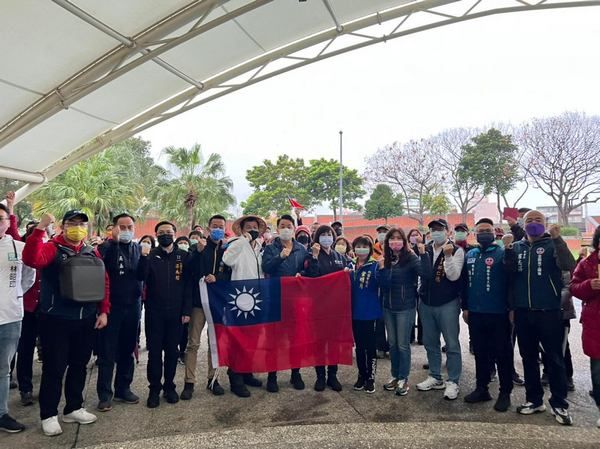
(286, 234)
(381, 237)
(145, 245)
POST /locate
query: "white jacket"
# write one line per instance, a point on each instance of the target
(15, 279)
(245, 261)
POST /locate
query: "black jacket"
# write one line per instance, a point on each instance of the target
(164, 275)
(325, 264)
(275, 266)
(201, 264)
(121, 262)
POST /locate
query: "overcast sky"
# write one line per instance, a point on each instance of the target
(504, 68)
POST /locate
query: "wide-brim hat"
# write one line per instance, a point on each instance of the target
(236, 227)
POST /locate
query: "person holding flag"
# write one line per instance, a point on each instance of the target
(285, 257)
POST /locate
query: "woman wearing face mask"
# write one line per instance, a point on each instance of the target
(397, 274)
(303, 236)
(342, 246)
(366, 310)
(183, 243)
(325, 260)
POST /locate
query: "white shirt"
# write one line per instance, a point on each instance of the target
(453, 264)
(244, 259)
(15, 279)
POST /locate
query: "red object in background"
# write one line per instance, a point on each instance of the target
(294, 322)
(510, 212)
(295, 203)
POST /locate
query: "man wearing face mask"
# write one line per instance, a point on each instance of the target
(66, 326)
(168, 307)
(517, 225)
(439, 310)
(338, 228)
(244, 257)
(381, 231)
(537, 264)
(206, 261)
(486, 311)
(285, 257)
(118, 340)
(461, 234)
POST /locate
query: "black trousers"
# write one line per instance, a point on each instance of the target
(566, 351)
(366, 353)
(29, 333)
(331, 371)
(67, 346)
(491, 337)
(116, 344)
(163, 331)
(545, 328)
(381, 338)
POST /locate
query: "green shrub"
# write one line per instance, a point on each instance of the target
(569, 231)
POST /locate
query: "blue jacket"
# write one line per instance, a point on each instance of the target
(537, 269)
(275, 266)
(365, 292)
(485, 281)
(399, 283)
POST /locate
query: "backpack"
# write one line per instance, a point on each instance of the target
(80, 275)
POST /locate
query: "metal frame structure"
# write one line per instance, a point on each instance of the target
(148, 45)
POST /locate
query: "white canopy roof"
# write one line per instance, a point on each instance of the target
(77, 76)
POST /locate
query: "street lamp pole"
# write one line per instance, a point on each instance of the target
(341, 182)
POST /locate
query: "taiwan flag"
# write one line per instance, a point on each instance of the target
(275, 324)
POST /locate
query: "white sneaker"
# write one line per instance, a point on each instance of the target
(51, 427)
(452, 391)
(431, 383)
(81, 416)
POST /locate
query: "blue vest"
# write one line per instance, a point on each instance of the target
(486, 283)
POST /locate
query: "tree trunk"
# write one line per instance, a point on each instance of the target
(563, 216)
(190, 211)
(498, 204)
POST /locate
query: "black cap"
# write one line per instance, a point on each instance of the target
(438, 222)
(461, 226)
(337, 223)
(486, 221)
(386, 227)
(75, 213)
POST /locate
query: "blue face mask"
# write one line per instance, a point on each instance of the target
(125, 236)
(326, 241)
(217, 234)
(439, 237)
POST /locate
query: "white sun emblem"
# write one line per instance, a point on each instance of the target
(245, 302)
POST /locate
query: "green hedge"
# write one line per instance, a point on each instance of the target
(569, 231)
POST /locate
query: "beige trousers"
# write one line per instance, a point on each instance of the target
(197, 322)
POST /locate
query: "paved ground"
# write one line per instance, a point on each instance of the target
(325, 420)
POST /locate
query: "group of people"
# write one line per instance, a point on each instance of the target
(80, 295)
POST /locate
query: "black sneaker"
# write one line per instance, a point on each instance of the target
(272, 386)
(502, 403)
(252, 381)
(334, 383)
(188, 391)
(240, 391)
(26, 398)
(153, 400)
(171, 396)
(10, 425)
(297, 381)
(215, 388)
(127, 397)
(370, 386)
(562, 416)
(104, 406)
(479, 395)
(320, 384)
(570, 384)
(518, 380)
(360, 383)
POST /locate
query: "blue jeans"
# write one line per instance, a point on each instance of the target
(9, 340)
(442, 320)
(399, 325)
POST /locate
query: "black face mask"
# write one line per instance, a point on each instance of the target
(338, 231)
(165, 240)
(254, 234)
(303, 239)
(486, 239)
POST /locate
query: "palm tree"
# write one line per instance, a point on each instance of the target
(96, 186)
(197, 187)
